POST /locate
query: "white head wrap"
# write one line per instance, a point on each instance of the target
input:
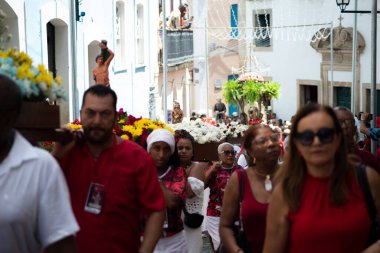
(161, 135)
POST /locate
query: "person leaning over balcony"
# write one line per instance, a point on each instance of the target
(161, 146)
(176, 18)
(217, 176)
(111, 181)
(318, 204)
(35, 212)
(100, 72)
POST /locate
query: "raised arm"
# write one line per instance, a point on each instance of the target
(211, 172)
(109, 59)
(230, 212)
(277, 230)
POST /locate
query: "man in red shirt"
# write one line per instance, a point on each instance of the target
(347, 121)
(112, 182)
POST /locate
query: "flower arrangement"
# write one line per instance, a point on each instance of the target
(250, 76)
(129, 127)
(204, 132)
(36, 83)
(249, 88)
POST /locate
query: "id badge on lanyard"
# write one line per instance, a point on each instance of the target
(95, 198)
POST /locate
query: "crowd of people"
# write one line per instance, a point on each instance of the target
(99, 193)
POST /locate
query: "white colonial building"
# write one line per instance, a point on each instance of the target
(287, 41)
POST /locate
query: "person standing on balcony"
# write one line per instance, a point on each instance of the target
(176, 19)
(100, 72)
(35, 213)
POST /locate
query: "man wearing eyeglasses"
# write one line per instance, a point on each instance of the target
(216, 179)
(347, 122)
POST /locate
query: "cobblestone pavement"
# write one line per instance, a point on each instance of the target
(206, 245)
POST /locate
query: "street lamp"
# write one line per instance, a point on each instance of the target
(342, 4)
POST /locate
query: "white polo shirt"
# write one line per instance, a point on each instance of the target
(35, 208)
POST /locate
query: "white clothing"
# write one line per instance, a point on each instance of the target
(35, 208)
(242, 161)
(194, 239)
(194, 205)
(173, 244)
(174, 20)
(212, 226)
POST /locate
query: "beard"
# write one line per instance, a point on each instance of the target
(97, 135)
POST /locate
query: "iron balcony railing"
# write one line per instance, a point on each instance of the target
(179, 45)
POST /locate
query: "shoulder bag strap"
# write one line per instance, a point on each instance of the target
(363, 182)
(241, 196)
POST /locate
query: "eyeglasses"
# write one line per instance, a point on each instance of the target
(325, 135)
(347, 122)
(229, 152)
(273, 138)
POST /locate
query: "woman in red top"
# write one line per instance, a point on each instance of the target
(262, 145)
(318, 206)
(161, 146)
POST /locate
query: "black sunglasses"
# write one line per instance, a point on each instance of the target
(228, 152)
(325, 135)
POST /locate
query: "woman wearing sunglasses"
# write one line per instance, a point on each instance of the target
(319, 206)
(216, 179)
(263, 147)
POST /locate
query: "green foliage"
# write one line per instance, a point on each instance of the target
(232, 91)
(240, 93)
(271, 89)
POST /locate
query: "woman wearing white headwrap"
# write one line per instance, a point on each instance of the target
(161, 146)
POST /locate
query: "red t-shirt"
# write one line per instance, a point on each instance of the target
(320, 227)
(131, 188)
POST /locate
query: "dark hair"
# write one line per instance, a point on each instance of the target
(249, 135)
(183, 134)
(292, 171)
(101, 91)
(182, 7)
(104, 42)
(10, 96)
(97, 57)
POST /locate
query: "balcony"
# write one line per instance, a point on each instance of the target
(180, 47)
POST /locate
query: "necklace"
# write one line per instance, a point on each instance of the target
(267, 182)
